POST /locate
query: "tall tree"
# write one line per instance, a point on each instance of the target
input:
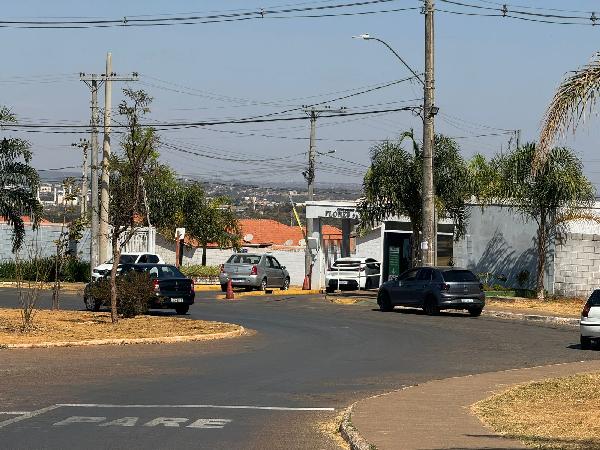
(127, 208)
(209, 220)
(19, 183)
(557, 192)
(575, 97)
(393, 183)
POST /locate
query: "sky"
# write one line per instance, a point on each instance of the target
(493, 75)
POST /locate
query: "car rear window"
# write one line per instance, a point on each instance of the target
(162, 272)
(127, 259)
(346, 265)
(243, 259)
(459, 276)
(594, 299)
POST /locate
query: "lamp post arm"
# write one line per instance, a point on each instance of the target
(400, 58)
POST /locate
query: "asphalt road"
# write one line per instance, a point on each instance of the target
(308, 361)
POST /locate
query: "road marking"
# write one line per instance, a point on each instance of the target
(79, 419)
(269, 408)
(209, 423)
(28, 415)
(14, 413)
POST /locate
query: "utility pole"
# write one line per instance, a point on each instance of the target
(518, 137)
(92, 82)
(109, 77)
(84, 145)
(429, 227)
(309, 175)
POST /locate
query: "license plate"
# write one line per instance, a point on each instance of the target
(342, 282)
(177, 300)
(468, 300)
(237, 280)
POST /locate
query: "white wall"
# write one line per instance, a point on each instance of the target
(370, 245)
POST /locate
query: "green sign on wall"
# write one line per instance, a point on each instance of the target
(394, 261)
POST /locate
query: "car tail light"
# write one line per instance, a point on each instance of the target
(192, 286)
(586, 309)
(445, 287)
(156, 285)
(254, 270)
(222, 268)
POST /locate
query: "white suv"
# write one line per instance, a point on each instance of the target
(126, 258)
(353, 273)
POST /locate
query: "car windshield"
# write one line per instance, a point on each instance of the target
(594, 299)
(460, 276)
(127, 259)
(243, 259)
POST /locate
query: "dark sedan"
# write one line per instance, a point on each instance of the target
(172, 289)
(434, 289)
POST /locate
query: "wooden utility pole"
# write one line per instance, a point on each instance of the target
(429, 227)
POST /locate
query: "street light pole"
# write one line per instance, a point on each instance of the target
(429, 228)
(428, 224)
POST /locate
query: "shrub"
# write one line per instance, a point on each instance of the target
(134, 292)
(44, 270)
(195, 270)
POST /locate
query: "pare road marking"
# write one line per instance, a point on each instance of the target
(28, 415)
(171, 422)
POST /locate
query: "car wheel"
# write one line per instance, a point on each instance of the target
(263, 285)
(475, 312)
(384, 301)
(431, 307)
(585, 343)
(224, 287)
(91, 304)
(328, 289)
(286, 284)
(181, 310)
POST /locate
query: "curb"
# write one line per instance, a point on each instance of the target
(544, 320)
(351, 434)
(127, 341)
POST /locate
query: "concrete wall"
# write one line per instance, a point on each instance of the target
(577, 264)
(292, 259)
(370, 245)
(501, 242)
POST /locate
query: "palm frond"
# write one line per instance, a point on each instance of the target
(575, 96)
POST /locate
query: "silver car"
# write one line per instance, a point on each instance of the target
(589, 324)
(254, 272)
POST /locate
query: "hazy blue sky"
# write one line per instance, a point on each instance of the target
(492, 73)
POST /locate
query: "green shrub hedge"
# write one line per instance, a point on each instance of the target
(134, 292)
(195, 270)
(72, 270)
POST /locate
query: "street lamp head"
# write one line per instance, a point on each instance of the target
(364, 36)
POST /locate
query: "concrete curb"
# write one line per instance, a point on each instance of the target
(351, 434)
(127, 341)
(545, 320)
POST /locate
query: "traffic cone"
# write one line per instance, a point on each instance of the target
(229, 294)
(306, 283)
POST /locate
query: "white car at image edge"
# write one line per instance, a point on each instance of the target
(589, 323)
(126, 258)
(353, 273)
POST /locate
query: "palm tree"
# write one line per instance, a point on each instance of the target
(393, 183)
(574, 98)
(556, 193)
(19, 183)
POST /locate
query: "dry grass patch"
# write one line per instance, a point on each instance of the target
(560, 413)
(71, 326)
(558, 307)
(344, 300)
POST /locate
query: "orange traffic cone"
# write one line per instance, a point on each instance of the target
(229, 294)
(306, 283)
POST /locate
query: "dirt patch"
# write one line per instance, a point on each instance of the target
(73, 326)
(560, 413)
(556, 307)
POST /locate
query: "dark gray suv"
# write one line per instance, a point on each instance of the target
(434, 289)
